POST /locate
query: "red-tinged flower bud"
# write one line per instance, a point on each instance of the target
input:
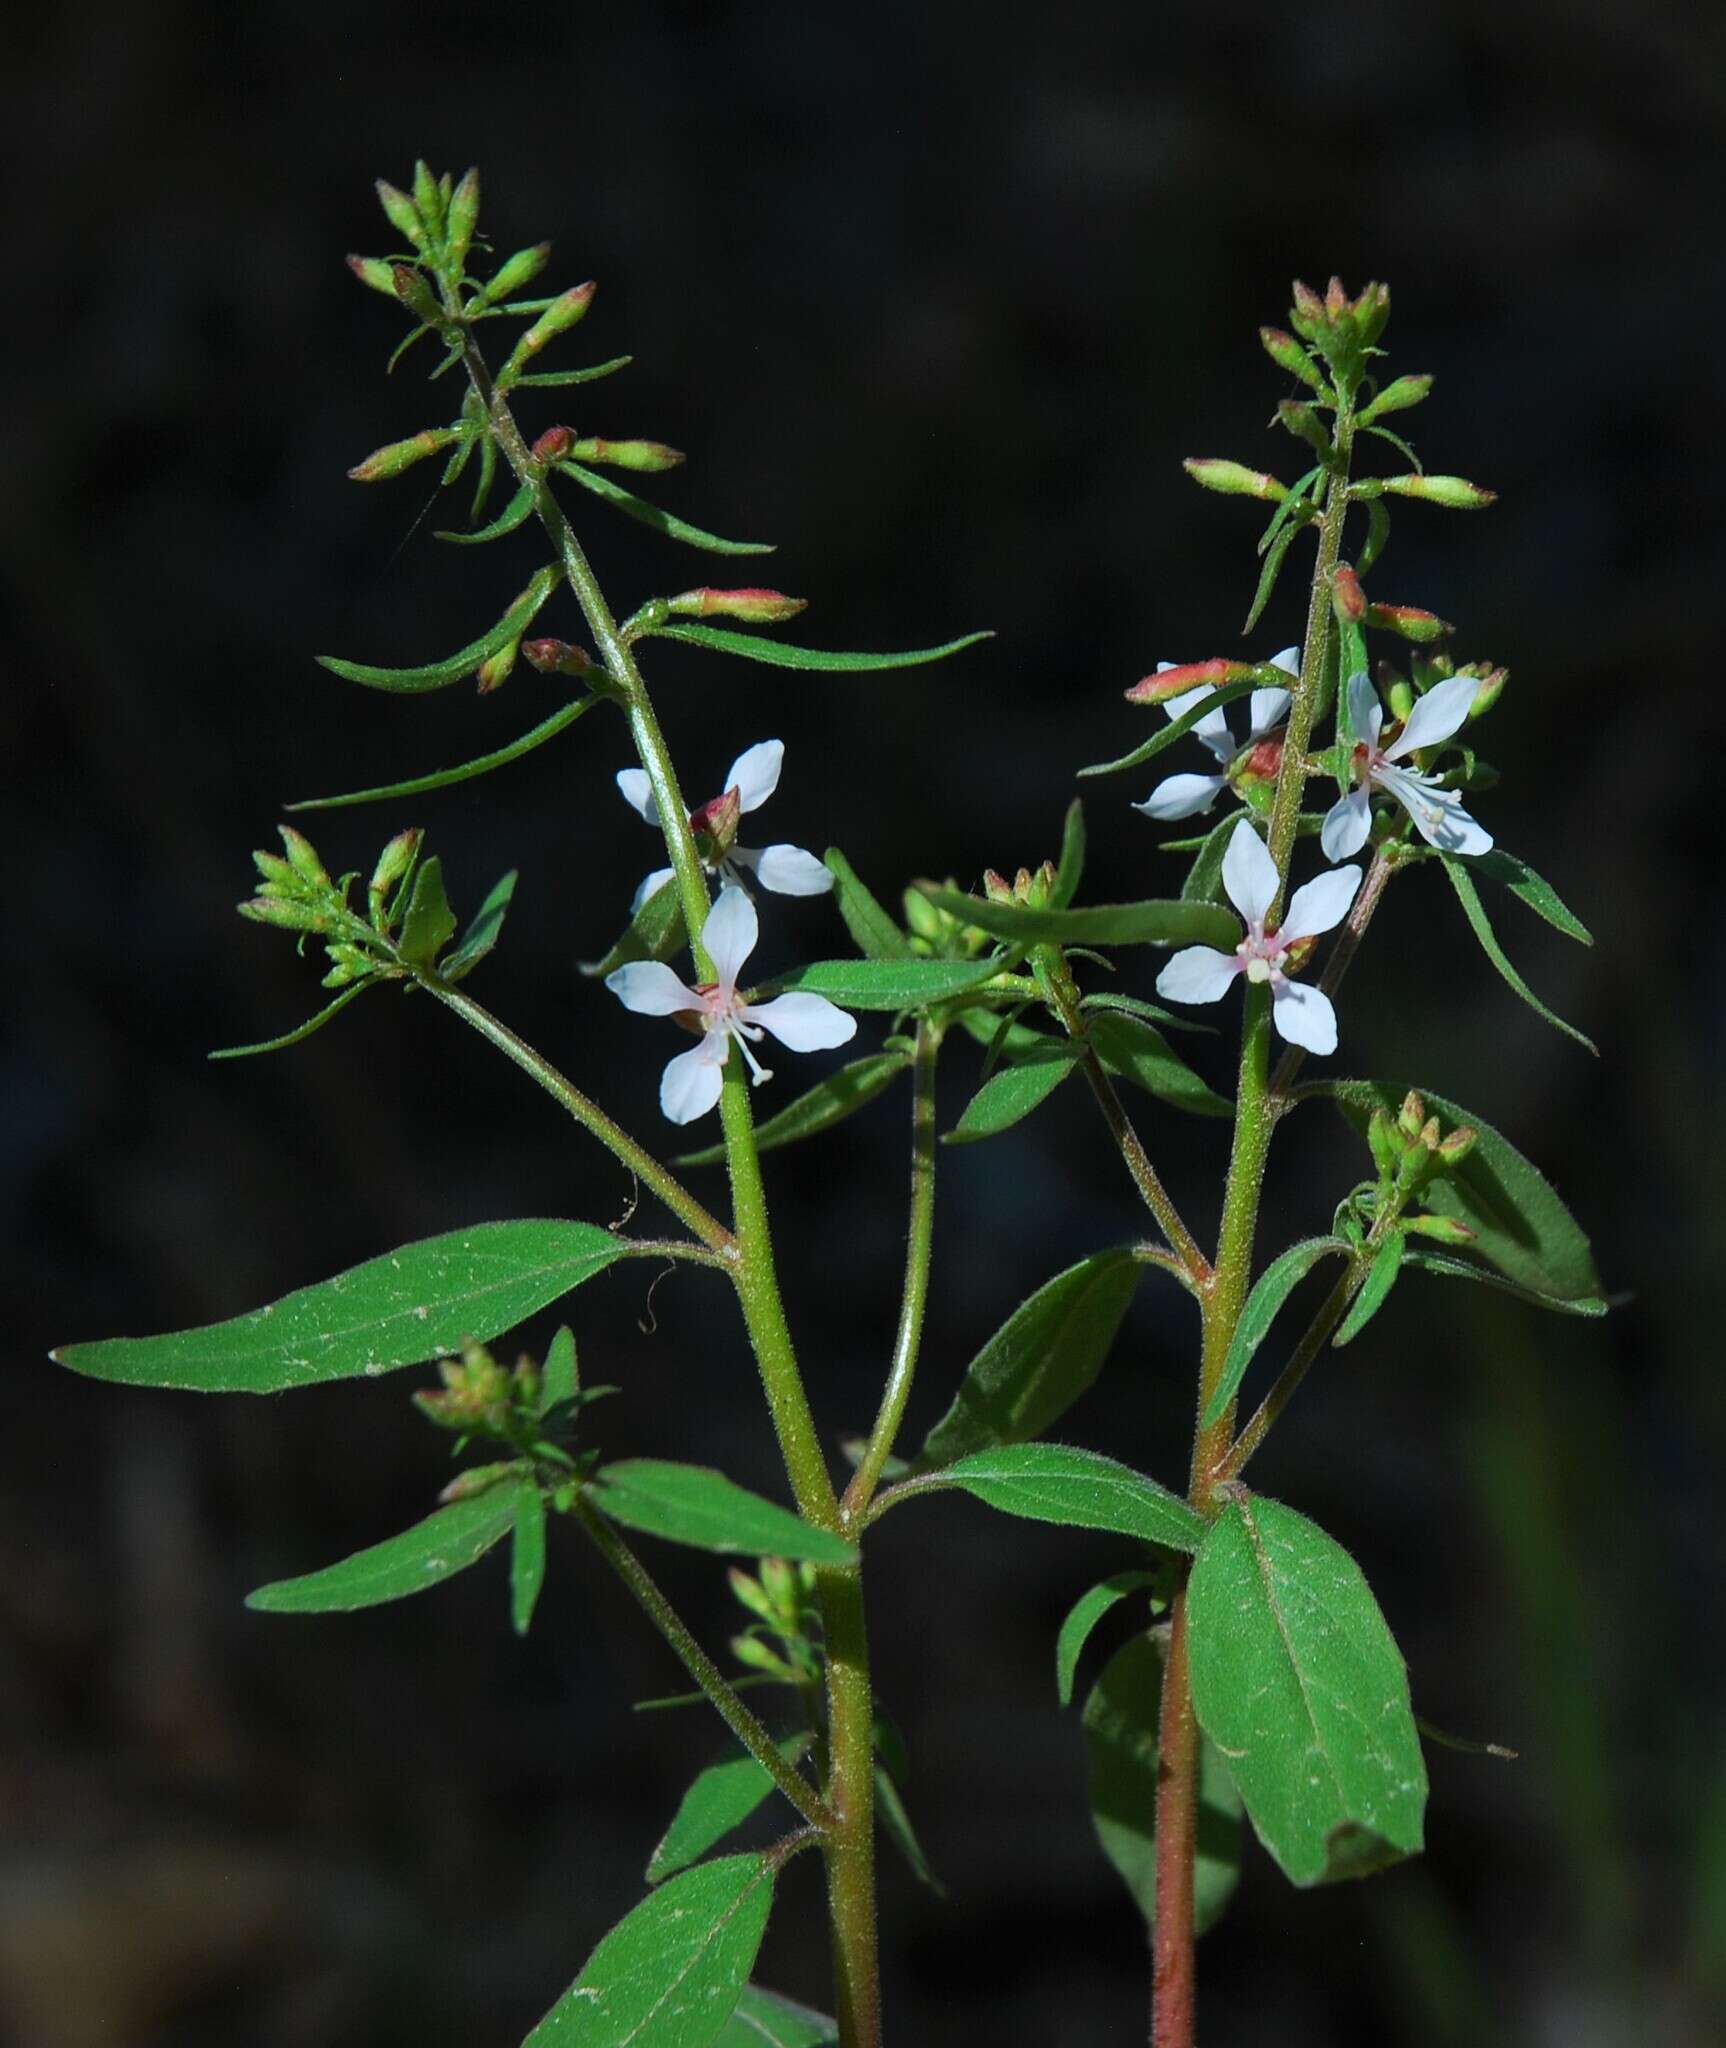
(496, 669)
(394, 862)
(373, 271)
(1307, 316)
(1408, 621)
(642, 455)
(303, 857)
(760, 607)
(1261, 763)
(1336, 301)
(1190, 675)
(1288, 354)
(1454, 491)
(996, 887)
(557, 658)
(397, 456)
(1304, 423)
(416, 294)
(477, 1478)
(1234, 479)
(1347, 598)
(1445, 1229)
(1412, 1114)
(401, 212)
(288, 915)
(1397, 396)
(715, 826)
(463, 217)
(521, 268)
(1492, 682)
(553, 445)
(1460, 1143)
(562, 314)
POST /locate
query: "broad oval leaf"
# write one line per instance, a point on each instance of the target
(666, 523)
(765, 2020)
(1078, 1489)
(884, 984)
(445, 778)
(1139, 1053)
(1081, 1622)
(720, 1799)
(1298, 1681)
(1375, 1289)
(873, 932)
(777, 654)
(829, 1102)
(1010, 1094)
(436, 675)
(695, 1504)
(1037, 1364)
(1170, 923)
(1475, 911)
(410, 1305)
(1272, 1288)
(443, 1544)
(670, 1974)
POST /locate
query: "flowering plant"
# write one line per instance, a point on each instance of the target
(1259, 1683)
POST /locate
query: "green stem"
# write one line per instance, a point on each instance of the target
(850, 1842)
(695, 1660)
(917, 1253)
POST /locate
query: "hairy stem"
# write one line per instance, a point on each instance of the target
(1172, 1986)
(850, 1842)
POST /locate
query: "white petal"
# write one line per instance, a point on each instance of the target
(786, 870)
(1346, 825)
(638, 793)
(650, 886)
(651, 989)
(1365, 712)
(1198, 974)
(805, 1023)
(1438, 814)
(1321, 904)
(690, 1085)
(1183, 796)
(1304, 1016)
(755, 774)
(1249, 875)
(1288, 661)
(1213, 729)
(1266, 708)
(730, 934)
(1436, 716)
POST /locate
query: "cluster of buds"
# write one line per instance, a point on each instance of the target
(1427, 670)
(479, 1397)
(298, 894)
(1410, 1149)
(1032, 891)
(1343, 332)
(937, 934)
(781, 1642)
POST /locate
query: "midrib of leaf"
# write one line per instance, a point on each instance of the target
(763, 1876)
(1261, 1558)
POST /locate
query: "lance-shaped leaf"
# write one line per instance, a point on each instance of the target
(1070, 869)
(777, 654)
(444, 778)
(1204, 879)
(765, 2020)
(1138, 1052)
(1466, 1269)
(526, 1557)
(873, 932)
(547, 380)
(516, 513)
(429, 923)
(1299, 1683)
(1101, 924)
(483, 933)
(1121, 1720)
(1520, 1226)
(1011, 1093)
(1076, 1488)
(695, 1504)
(299, 1032)
(1046, 1354)
(895, 1819)
(1374, 1290)
(1176, 728)
(666, 523)
(1081, 1623)
(828, 1103)
(721, 1798)
(1475, 911)
(1534, 890)
(883, 984)
(560, 1375)
(411, 1305)
(437, 675)
(1272, 1288)
(1275, 555)
(655, 932)
(433, 1550)
(670, 1974)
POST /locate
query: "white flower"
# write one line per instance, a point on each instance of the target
(1200, 974)
(691, 1083)
(1437, 813)
(1188, 796)
(787, 870)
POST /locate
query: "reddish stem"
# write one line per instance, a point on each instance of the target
(1172, 1987)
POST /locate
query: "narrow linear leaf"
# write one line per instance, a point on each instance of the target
(1204, 879)
(1377, 533)
(1534, 890)
(443, 1544)
(1081, 1623)
(696, 1505)
(765, 2020)
(1465, 1269)
(1275, 555)
(429, 923)
(655, 932)
(483, 933)
(516, 513)
(1272, 1288)
(444, 778)
(302, 1031)
(1134, 1006)
(1102, 924)
(1009, 1095)
(1475, 911)
(1014, 1042)
(437, 675)
(549, 380)
(1070, 869)
(828, 1103)
(1139, 1053)
(560, 1375)
(411, 1305)
(1175, 729)
(666, 523)
(721, 1798)
(884, 984)
(670, 1974)
(873, 932)
(1078, 1489)
(1299, 1683)
(895, 1821)
(526, 1557)
(1375, 1289)
(777, 654)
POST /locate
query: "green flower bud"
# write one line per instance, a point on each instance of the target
(396, 456)
(303, 857)
(1458, 1145)
(1455, 491)
(1288, 354)
(751, 1650)
(463, 217)
(561, 315)
(1445, 1229)
(496, 669)
(286, 914)
(641, 455)
(402, 216)
(1396, 396)
(749, 1593)
(1382, 1141)
(779, 1583)
(922, 918)
(521, 268)
(1234, 479)
(760, 607)
(1411, 1115)
(393, 863)
(476, 1479)
(429, 201)
(373, 271)
(1305, 424)
(1409, 622)
(1401, 699)
(416, 294)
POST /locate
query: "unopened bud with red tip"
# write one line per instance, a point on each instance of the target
(715, 825)
(1492, 682)
(373, 271)
(557, 658)
(1397, 396)
(1454, 491)
(1409, 622)
(1444, 1229)
(1308, 313)
(996, 887)
(515, 271)
(288, 914)
(562, 314)
(497, 668)
(394, 862)
(553, 445)
(397, 456)
(1304, 423)
(1288, 354)
(416, 294)
(640, 455)
(1455, 1148)
(401, 213)
(1195, 675)
(1234, 479)
(1347, 598)
(1412, 1114)
(477, 1478)
(303, 857)
(760, 607)
(463, 217)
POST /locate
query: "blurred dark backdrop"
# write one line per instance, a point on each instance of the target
(937, 297)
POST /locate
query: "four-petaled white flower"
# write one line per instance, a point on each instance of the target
(1437, 813)
(1200, 974)
(754, 775)
(691, 1083)
(1188, 796)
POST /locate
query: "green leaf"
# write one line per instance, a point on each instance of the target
(1275, 555)
(777, 654)
(483, 934)
(1134, 1006)
(1272, 1288)
(526, 1557)
(873, 932)
(1081, 1622)
(1078, 1489)
(1299, 1683)
(429, 923)
(884, 984)
(1520, 1226)
(560, 1376)
(437, 1548)
(1377, 533)
(721, 1798)
(697, 1505)
(1176, 728)
(655, 932)
(1043, 1357)
(1475, 911)
(436, 675)
(444, 778)
(1069, 871)
(765, 2020)
(516, 513)
(828, 1103)
(896, 1824)
(1465, 1269)
(670, 1974)
(1121, 1719)
(1102, 924)
(547, 380)
(1539, 894)
(1375, 1289)
(1010, 1094)
(301, 1031)
(1204, 881)
(410, 1305)
(666, 523)
(1139, 1053)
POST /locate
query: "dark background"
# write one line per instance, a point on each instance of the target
(938, 298)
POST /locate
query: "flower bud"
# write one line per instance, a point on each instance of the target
(429, 200)
(497, 668)
(1429, 1134)
(1445, 1229)
(373, 271)
(552, 445)
(761, 607)
(397, 456)
(749, 1593)
(1411, 1115)
(521, 268)
(1454, 1149)
(302, 856)
(642, 455)
(1401, 694)
(562, 314)
(1455, 491)
(1409, 622)
(394, 862)
(463, 217)
(557, 658)
(1288, 354)
(922, 917)
(416, 294)
(1397, 396)
(402, 216)
(715, 826)
(1382, 1141)
(1492, 682)
(779, 1582)
(476, 1479)
(751, 1650)
(1234, 479)
(1191, 675)
(1304, 423)
(285, 913)
(1347, 598)
(996, 887)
